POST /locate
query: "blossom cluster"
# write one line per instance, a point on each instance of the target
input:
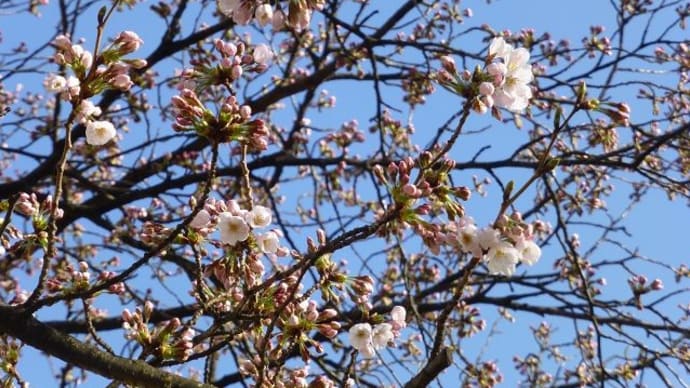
(503, 83)
(501, 248)
(231, 123)
(298, 13)
(91, 76)
(236, 225)
(367, 339)
(229, 62)
(169, 340)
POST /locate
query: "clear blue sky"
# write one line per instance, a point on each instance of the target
(563, 19)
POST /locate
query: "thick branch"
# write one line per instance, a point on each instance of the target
(32, 332)
(432, 369)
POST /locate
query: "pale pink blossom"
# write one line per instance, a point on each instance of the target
(502, 259)
(398, 316)
(200, 220)
(232, 228)
(382, 335)
(268, 242)
(264, 14)
(262, 54)
(128, 42)
(121, 82)
(54, 83)
(99, 132)
(278, 22)
(486, 89)
(529, 251)
(259, 217)
(360, 336)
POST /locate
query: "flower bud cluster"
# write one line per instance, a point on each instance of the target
(470, 320)
(639, 286)
(232, 122)
(432, 186)
(91, 76)
(503, 83)
(226, 65)
(302, 316)
(169, 340)
(596, 43)
(78, 278)
(298, 13)
(28, 205)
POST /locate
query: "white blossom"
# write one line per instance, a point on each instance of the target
(54, 83)
(467, 237)
(264, 14)
(487, 238)
(268, 242)
(259, 217)
(398, 316)
(262, 54)
(99, 132)
(382, 335)
(239, 10)
(499, 48)
(502, 258)
(360, 339)
(201, 219)
(529, 251)
(511, 77)
(87, 111)
(232, 228)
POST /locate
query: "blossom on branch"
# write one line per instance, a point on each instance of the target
(99, 132)
(232, 228)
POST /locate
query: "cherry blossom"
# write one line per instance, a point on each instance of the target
(259, 217)
(502, 258)
(99, 132)
(268, 242)
(232, 228)
(381, 335)
(529, 251)
(361, 338)
(201, 219)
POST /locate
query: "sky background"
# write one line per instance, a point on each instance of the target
(659, 227)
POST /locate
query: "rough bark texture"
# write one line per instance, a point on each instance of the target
(67, 348)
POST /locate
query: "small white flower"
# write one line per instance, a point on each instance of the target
(259, 217)
(87, 111)
(360, 337)
(54, 83)
(486, 88)
(398, 315)
(268, 242)
(467, 237)
(499, 47)
(502, 259)
(232, 228)
(99, 132)
(529, 251)
(201, 219)
(262, 54)
(487, 238)
(382, 335)
(226, 7)
(264, 14)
